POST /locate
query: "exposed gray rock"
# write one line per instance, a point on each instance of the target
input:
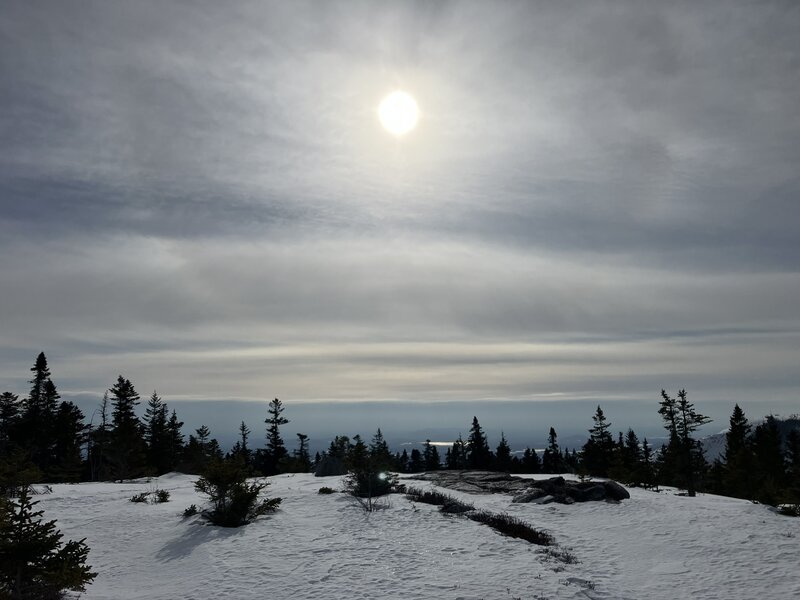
(543, 491)
(615, 491)
(529, 495)
(545, 500)
(584, 493)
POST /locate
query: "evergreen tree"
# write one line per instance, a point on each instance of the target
(478, 453)
(340, 447)
(793, 466)
(69, 435)
(301, 455)
(503, 455)
(155, 433)
(9, 414)
(737, 471)
(16, 472)
(203, 437)
(416, 464)
(234, 500)
(430, 457)
(552, 460)
(403, 461)
(275, 451)
(200, 450)
(379, 452)
(367, 478)
(599, 448)
(34, 429)
(683, 456)
(647, 477)
(240, 448)
(34, 562)
(174, 441)
(669, 458)
(633, 451)
(457, 458)
(531, 462)
(769, 461)
(99, 443)
(127, 448)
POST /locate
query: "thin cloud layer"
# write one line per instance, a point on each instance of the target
(599, 199)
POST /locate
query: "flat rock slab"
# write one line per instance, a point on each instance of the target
(554, 489)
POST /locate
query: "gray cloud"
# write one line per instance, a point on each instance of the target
(600, 199)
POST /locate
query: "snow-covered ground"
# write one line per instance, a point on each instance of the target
(323, 546)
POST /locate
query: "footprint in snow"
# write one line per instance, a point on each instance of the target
(669, 568)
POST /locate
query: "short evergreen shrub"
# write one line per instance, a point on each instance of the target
(326, 490)
(140, 497)
(234, 501)
(560, 554)
(448, 504)
(789, 510)
(160, 496)
(34, 562)
(512, 527)
(190, 511)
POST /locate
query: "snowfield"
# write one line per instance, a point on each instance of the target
(655, 545)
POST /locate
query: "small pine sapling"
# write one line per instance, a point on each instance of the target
(34, 562)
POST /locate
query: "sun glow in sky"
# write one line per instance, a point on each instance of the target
(477, 202)
(398, 113)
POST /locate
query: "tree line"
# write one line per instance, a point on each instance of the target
(46, 438)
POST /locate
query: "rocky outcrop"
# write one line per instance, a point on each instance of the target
(540, 491)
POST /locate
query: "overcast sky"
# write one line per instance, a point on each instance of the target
(601, 199)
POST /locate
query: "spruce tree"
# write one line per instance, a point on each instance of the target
(69, 435)
(34, 562)
(174, 441)
(531, 462)
(737, 471)
(403, 461)
(415, 463)
(99, 444)
(683, 456)
(240, 448)
(275, 451)
(503, 455)
(301, 456)
(34, 429)
(430, 456)
(457, 458)
(200, 450)
(127, 448)
(155, 432)
(769, 461)
(793, 466)
(367, 478)
(234, 500)
(478, 453)
(647, 477)
(379, 451)
(9, 414)
(633, 451)
(552, 459)
(340, 447)
(599, 448)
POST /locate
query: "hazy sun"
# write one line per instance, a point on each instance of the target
(398, 113)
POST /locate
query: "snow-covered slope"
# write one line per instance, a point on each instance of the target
(323, 546)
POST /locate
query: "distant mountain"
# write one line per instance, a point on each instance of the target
(714, 444)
